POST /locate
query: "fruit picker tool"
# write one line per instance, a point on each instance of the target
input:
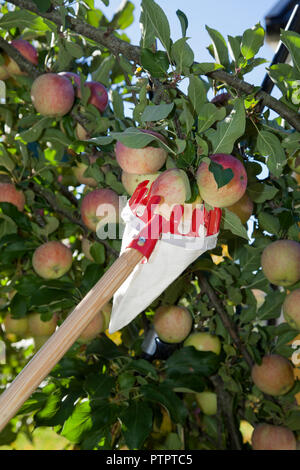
(155, 250)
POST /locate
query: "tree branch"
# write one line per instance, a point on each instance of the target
(51, 200)
(229, 325)
(23, 63)
(131, 52)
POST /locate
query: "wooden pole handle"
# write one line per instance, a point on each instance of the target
(63, 338)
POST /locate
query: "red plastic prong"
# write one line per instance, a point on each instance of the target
(147, 238)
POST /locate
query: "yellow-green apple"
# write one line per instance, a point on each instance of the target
(143, 160)
(231, 192)
(39, 341)
(52, 260)
(274, 376)
(280, 262)
(243, 208)
(269, 437)
(100, 206)
(9, 193)
(203, 341)
(52, 95)
(130, 181)
(96, 326)
(207, 402)
(172, 323)
(80, 169)
(17, 326)
(39, 327)
(98, 96)
(291, 309)
(27, 50)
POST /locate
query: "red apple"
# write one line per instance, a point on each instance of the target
(27, 51)
(96, 326)
(275, 375)
(172, 185)
(52, 94)
(269, 437)
(75, 80)
(8, 193)
(99, 96)
(52, 260)
(100, 206)
(231, 192)
(141, 161)
(291, 309)
(172, 323)
(280, 262)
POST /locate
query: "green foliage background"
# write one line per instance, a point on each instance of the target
(105, 396)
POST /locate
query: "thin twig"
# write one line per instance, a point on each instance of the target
(229, 325)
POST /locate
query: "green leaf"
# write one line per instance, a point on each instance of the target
(147, 32)
(208, 114)
(188, 359)
(18, 306)
(159, 22)
(124, 16)
(24, 19)
(75, 50)
(79, 423)
(183, 22)
(261, 192)
(271, 307)
(102, 73)
(292, 42)
(252, 41)
(232, 222)
(135, 138)
(156, 112)
(270, 146)
(97, 251)
(118, 104)
(229, 130)
(7, 225)
(163, 394)
(137, 419)
(47, 296)
(196, 93)
(269, 222)
(186, 117)
(5, 159)
(219, 46)
(204, 68)
(99, 385)
(33, 134)
(182, 54)
(221, 176)
(43, 5)
(156, 64)
(235, 47)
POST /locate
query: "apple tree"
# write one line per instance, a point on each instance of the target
(76, 100)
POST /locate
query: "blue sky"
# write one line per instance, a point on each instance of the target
(230, 17)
